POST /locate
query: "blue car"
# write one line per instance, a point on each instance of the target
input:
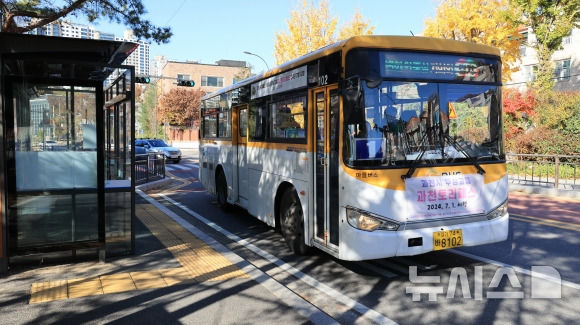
(140, 153)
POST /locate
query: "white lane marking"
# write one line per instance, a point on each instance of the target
(517, 269)
(174, 167)
(302, 306)
(182, 166)
(360, 308)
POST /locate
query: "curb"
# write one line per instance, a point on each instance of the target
(548, 191)
(154, 185)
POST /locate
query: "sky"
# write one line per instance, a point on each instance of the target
(208, 31)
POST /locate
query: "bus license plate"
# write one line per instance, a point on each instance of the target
(447, 239)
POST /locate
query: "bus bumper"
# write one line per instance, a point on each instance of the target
(363, 245)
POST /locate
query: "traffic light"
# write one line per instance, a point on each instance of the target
(142, 80)
(185, 83)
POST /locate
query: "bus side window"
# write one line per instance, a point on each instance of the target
(243, 122)
(257, 121)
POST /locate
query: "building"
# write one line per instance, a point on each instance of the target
(157, 64)
(566, 63)
(140, 57)
(207, 77)
(64, 28)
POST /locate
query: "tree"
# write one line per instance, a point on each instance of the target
(21, 16)
(146, 113)
(180, 106)
(550, 21)
(311, 27)
(488, 22)
(357, 26)
(517, 104)
(244, 73)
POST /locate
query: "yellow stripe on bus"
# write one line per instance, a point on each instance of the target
(391, 178)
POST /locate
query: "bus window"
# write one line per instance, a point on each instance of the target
(243, 122)
(257, 121)
(288, 118)
(225, 118)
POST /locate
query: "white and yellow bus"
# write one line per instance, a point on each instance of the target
(372, 147)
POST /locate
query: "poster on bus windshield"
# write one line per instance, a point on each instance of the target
(437, 197)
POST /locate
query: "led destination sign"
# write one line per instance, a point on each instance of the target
(438, 67)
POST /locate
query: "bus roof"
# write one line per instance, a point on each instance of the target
(413, 43)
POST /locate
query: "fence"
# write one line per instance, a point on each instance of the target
(149, 167)
(558, 171)
(177, 134)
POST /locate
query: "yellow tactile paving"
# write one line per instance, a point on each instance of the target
(148, 280)
(117, 283)
(48, 291)
(175, 276)
(84, 287)
(199, 263)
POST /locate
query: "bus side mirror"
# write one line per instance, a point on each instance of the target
(353, 100)
(351, 88)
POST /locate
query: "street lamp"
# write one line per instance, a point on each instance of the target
(250, 53)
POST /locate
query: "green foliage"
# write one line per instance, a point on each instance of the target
(559, 111)
(550, 21)
(146, 115)
(21, 16)
(543, 168)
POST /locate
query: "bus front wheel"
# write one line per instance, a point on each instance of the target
(292, 222)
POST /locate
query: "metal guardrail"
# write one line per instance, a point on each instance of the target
(149, 167)
(557, 171)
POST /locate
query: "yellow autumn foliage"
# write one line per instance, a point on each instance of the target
(479, 21)
(357, 26)
(311, 27)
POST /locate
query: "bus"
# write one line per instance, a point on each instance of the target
(372, 147)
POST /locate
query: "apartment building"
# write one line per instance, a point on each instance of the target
(64, 28)
(566, 63)
(140, 57)
(207, 77)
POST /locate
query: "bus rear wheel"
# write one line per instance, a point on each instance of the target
(221, 185)
(292, 222)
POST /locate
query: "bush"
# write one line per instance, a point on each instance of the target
(546, 123)
(542, 140)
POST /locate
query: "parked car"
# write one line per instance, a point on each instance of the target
(159, 146)
(140, 153)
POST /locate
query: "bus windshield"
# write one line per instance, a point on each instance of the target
(400, 123)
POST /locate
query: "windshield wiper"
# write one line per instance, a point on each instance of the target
(461, 149)
(455, 144)
(415, 163)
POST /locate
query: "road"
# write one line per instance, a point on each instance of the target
(483, 285)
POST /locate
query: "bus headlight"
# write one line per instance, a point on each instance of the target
(367, 221)
(499, 211)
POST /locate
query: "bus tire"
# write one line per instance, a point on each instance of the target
(292, 222)
(221, 189)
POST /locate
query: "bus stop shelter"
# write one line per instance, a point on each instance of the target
(67, 124)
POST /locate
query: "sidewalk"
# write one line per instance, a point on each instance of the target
(174, 277)
(544, 190)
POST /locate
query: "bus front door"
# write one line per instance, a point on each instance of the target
(326, 104)
(242, 163)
